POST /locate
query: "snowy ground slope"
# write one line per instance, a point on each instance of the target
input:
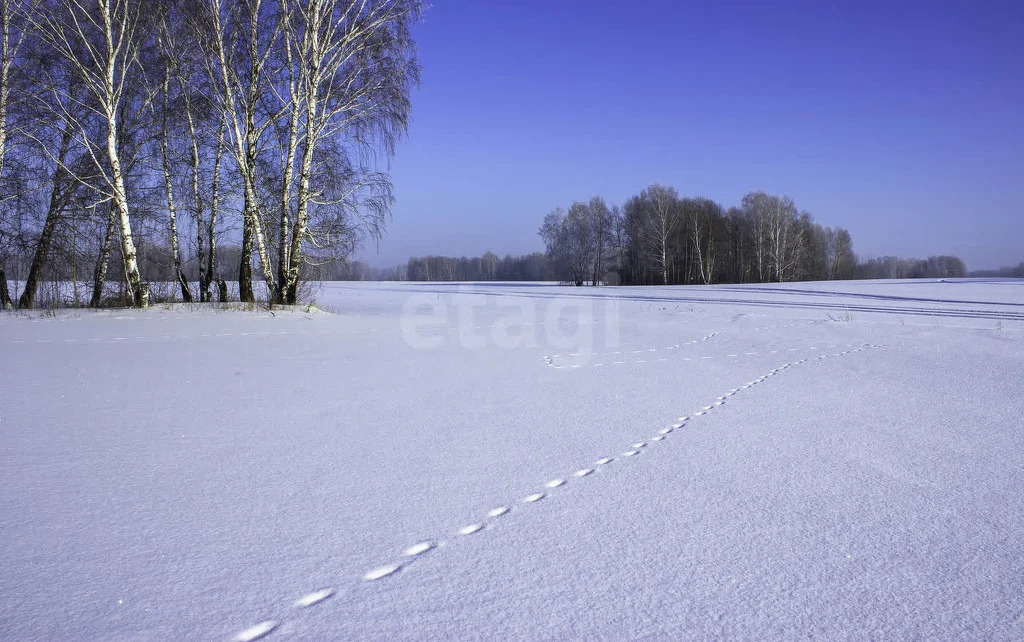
(812, 460)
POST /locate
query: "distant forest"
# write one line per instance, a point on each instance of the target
(1016, 272)
(658, 237)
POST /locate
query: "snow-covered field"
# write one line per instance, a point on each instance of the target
(811, 460)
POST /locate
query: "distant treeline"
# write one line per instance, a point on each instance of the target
(657, 237)
(1016, 272)
(489, 267)
(893, 267)
(537, 267)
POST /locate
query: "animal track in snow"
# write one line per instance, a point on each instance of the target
(381, 571)
(256, 631)
(418, 549)
(314, 598)
(264, 628)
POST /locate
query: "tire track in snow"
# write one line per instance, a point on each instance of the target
(193, 337)
(618, 356)
(410, 554)
(550, 359)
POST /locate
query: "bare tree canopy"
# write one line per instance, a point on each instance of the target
(145, 132)
(657, 237)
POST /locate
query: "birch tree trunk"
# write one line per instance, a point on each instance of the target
(60, 191)
(6, 59)
(703, 240)
(245, 292)
(197, 204)
(710, 255)
(302, 215)
(7, 55)
(211, 269)
(120, 201)
(760, 248)
(246, 143)
(195, 167)
(285, 247)
(179, 275)
(111, 100)
(664, 202)
(5, 294)
(664, 260)
(697, 248)
(103, 261)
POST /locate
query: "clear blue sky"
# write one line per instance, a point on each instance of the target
(900, 121)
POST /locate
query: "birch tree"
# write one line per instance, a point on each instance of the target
(843, 263)
(352, 65)
(101, 44)
(240, 39)
(165, 157)
(601, 220)
(755, 209)
(212, 274)
(784, 237)
(200, 127)
(12, 36)
(664, 222)
(62, 189)
(702, 218)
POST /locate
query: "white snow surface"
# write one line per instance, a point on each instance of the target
(812, 460)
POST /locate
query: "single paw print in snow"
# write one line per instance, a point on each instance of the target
(314, 598)
(256, 631)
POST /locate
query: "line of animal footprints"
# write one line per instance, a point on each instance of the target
(549, 361)
(264, 628)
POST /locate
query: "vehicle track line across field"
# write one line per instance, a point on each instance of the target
(551, 363)
(207, 335)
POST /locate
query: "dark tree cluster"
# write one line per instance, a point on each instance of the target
(1016, 272)
(138, 135)
(489, 267)
(893, 267)
(658, 237)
